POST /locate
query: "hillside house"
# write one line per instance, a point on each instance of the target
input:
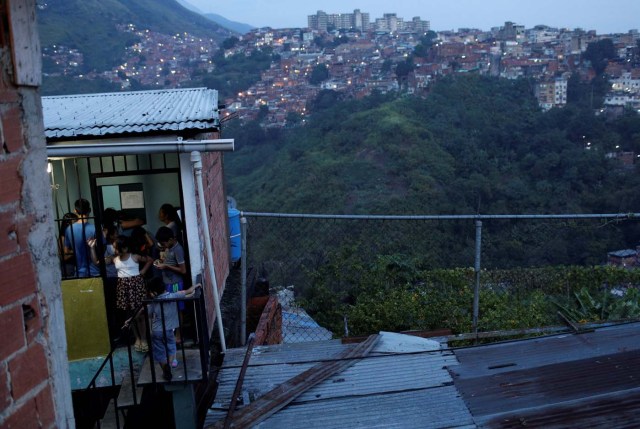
(626, 258)
(133, 152)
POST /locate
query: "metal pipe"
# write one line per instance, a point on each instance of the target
(476, 291)
(140, 147)
(620, 216)
(196, 160)
(243, 269)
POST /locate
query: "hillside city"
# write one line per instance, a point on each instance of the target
(359, 55)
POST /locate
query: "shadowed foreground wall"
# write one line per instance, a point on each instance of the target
(34, 378)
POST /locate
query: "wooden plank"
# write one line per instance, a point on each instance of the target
(285, 393)
(236, 391)
(27, 63)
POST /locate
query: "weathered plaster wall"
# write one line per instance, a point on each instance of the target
(34, 378)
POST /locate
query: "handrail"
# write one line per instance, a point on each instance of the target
(124, 332)
(202, 339)
(200, 320)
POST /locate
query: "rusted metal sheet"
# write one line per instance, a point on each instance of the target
(576, 380)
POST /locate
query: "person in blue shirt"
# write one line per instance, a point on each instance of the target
(76, 238)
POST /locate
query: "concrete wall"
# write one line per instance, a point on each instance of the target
(34, 378)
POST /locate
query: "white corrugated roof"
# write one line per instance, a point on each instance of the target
(115, 113)
(403, 383)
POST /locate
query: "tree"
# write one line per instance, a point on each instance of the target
(293, 119)
(403, 69)
(263, 112)
(319, 74)
(599, 54)
(229, 43)
(426, 42)
(325, 99)
(386, 66)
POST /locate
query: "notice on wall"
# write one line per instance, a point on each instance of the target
(132, 200)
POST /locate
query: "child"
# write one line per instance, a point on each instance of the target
(164, 319)
(172, 265)
(131, 289)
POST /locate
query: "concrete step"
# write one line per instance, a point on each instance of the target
(190, 373)
(128, 395)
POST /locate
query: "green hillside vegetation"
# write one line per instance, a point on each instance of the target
(475, 144)
(396, 294)
(90, 26)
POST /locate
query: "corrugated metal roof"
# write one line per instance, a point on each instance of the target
(623, 253)
(579, 380)
(117, 113)
(298, 326)
(386, 389)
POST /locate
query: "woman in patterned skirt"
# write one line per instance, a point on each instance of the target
(131, 289)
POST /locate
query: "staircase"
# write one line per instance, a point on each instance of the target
(139, 396)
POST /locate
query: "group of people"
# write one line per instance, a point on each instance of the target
(137, 266)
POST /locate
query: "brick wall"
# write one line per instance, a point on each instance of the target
(33, 375)
(216, 198)
(269, 330)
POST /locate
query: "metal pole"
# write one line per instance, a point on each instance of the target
(476, 292)
(243, 269)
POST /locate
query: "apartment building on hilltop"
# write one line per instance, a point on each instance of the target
(360, 21)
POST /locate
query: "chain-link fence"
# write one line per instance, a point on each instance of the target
(350, 275)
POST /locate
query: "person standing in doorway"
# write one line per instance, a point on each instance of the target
(76, 238)
(169, 216)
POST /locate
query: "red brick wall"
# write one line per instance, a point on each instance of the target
(34, 379)
(25, 395)
(216, 198)
(269, 330)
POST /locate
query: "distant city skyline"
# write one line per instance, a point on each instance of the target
(605, 17)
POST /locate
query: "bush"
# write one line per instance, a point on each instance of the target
(395, 294)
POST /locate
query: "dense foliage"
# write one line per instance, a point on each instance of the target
(475, 144)
(396, 294)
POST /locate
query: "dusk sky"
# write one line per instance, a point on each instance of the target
(603, 16)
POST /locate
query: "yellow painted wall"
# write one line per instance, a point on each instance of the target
(85, 318)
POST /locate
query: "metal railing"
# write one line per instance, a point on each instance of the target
(194, 304)
(291, 249)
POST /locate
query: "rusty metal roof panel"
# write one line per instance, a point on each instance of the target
(556, 381)
(117, 113)
(385, 389)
